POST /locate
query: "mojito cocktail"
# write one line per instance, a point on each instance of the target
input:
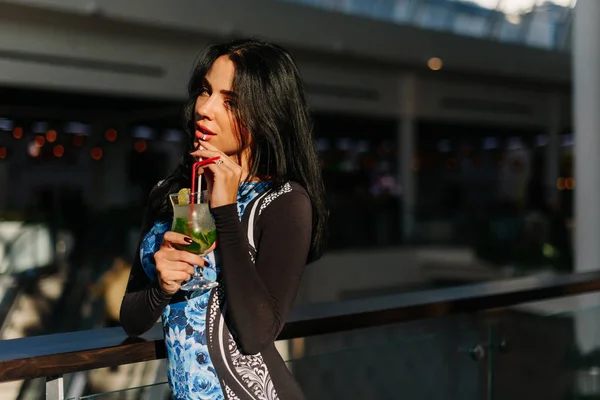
(192, 217)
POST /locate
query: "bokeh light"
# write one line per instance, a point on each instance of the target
(51, 136)
(39, 141)
(18, 132)
(111, 135)
(97, 153)
(140, 146)
(58, 151)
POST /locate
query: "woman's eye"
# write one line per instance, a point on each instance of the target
(204, 92)
(229, 104)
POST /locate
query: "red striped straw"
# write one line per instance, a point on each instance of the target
(196, 178)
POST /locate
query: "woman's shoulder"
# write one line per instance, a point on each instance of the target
(298, 188)
(290, 196)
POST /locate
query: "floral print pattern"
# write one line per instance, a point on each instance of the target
(192, 375)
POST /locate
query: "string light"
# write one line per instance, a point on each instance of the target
(33, 150)
(18, 132)
(58, 151)
(111, 135)
(3, 153)
(96, 153)
(51, 136)
(39, 141)
(140, 146)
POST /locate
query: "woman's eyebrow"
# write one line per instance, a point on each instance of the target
(229, 93)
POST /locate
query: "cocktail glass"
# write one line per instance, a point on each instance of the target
(192, 217)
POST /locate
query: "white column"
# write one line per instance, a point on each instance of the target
(586, 78)
(551, 162)
(406, 149)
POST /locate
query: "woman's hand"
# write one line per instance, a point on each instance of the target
(222, 176)
(175, 266)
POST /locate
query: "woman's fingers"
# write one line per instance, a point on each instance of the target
(225, 184)
(176, 277)
(207, 150)
(178, 266)
(176, 238)
(175, 266)
(186, 257)
(205, 154)
(177, 260)
(212, 248)
(221, 171)
(222, 160)
(207, 146)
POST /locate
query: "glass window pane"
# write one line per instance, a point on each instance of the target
(380, 9)
(471, 25)
(542, 30)
(491, 4)
(403, 10)
(432, 16)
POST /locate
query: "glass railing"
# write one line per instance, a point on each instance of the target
(539, 350)
(161, 390)
(539, 23)
(433, 359)
(426, 360)
(552, 350)
(484, 341)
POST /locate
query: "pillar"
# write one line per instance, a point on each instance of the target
(586, 96)
(406, 149)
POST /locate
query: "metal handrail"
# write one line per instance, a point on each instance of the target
(58, 354)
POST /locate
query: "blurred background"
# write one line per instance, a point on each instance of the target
(445, 130)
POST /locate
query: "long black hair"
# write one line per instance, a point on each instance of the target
(272, 118)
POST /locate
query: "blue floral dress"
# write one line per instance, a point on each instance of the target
(194, 325)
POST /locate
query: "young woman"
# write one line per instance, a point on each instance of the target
(246, 106)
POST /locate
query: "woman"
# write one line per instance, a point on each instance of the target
(247, 106)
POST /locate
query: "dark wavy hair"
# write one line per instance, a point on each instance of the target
(272, 118)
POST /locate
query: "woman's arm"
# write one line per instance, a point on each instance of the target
(144, 300)
(260, 295)
(143, 303)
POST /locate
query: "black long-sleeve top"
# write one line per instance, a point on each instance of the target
(258, 294)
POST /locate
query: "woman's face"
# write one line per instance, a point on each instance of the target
(214, 109)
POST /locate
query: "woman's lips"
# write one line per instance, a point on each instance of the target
(203, 133)
(203, 136)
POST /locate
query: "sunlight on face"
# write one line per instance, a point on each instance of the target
(214, 109)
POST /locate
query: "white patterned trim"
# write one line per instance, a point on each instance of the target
(252, 369)
(254, 372)
(229, 393)
(216, 302)
(287, 188)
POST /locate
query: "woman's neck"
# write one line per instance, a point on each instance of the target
(243, 160)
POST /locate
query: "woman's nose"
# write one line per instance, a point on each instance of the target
(207, 109)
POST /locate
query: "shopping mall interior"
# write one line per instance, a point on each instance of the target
(457, 140)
